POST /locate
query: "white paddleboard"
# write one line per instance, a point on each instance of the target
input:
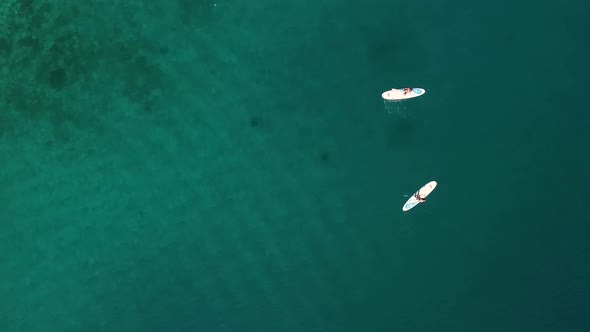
(398, 94)
(424, 192)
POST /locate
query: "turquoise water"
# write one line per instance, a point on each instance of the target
(230, 166)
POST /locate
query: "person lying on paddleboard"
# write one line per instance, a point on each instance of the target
(406, 90)
(420, 199)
